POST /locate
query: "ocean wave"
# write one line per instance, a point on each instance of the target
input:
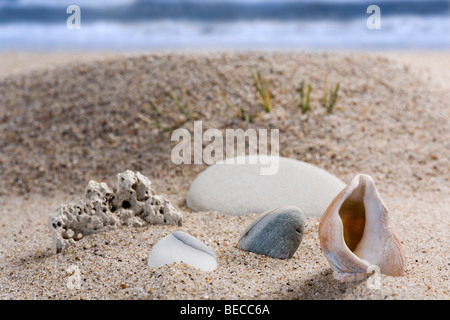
(66, 3)
(399, 32)
(398, 6)
(219, 11)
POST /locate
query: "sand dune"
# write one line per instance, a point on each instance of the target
(66, 120)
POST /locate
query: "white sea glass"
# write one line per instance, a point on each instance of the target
(181, 247)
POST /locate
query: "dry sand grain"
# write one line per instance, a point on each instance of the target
(62, 126)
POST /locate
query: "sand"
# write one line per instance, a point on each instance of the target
(65, 123)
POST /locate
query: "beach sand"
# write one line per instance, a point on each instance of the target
(69, 118)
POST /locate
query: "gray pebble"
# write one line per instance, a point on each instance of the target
(275, 233)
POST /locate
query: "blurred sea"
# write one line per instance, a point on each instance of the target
(211, 24)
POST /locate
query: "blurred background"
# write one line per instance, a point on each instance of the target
(223, 24)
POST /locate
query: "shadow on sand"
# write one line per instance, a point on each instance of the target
(321, 286)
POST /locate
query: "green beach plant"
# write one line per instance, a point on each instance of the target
(333, 98)
(181, 107)
(152, 103)
(154, 123)
(262, 88)
(244, 116)
(329, 100)
(305, 98)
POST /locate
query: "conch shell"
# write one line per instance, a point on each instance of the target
(356, 236)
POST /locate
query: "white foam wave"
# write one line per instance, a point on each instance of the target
(398, 32)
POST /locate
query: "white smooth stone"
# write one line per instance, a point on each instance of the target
(239, 189)
(181, 247)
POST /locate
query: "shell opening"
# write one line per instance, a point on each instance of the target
(353, 216)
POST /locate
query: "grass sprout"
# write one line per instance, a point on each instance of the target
(330, 104)
(262, 87)
(244, 116)
(181, 107)
(152, 103)
(304, 103)
(154, 123)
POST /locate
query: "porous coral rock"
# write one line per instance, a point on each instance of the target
(131, 203)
